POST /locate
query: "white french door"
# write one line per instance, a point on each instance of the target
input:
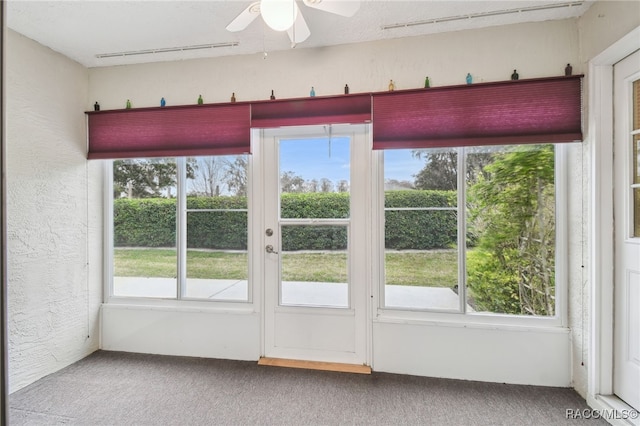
(315, 242)
(626, 370)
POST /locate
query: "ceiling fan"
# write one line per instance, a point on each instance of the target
(284, 15)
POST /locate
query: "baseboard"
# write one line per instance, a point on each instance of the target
(315, 365)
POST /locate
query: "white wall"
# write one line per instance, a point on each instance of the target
(53, 214)
(603, 24)
(536, 355)
(488, 54)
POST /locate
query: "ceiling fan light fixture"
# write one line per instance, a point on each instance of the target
(279, 15)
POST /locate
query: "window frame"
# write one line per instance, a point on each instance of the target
(441, 316)
(181, 248)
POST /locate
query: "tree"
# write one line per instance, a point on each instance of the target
(208, 176)
(440, 171)
(513, 216)
(311, 185)
(235, 175)
(143, 178)
(342, 186)
(291, 182)
(395, 184)
(326, 185)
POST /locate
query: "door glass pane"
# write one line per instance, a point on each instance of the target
(421, 231)
(144, 228)
(217, 262)
(314, 184)
(635, 155)
(636, 213)
(314, 266)
(636, 105)
(314, 178)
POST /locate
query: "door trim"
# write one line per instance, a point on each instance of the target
(360, 172)
(600, 139)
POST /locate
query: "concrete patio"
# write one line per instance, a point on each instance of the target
(293, 293)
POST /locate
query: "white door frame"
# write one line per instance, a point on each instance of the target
(600, 139)
(359, 306)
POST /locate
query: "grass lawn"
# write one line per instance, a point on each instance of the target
(433, 268)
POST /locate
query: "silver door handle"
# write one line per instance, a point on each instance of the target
(269, 249)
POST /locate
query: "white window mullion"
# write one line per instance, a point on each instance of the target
(108, 230)
(562, 238)
(181, 225)
(462, 228)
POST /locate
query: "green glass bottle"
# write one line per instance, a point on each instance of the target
(200, 101)
(427, 84)
(128, 104)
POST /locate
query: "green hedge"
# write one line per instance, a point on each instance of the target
(151, 222)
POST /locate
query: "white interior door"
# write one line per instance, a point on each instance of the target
(315, 242)
(626, 380)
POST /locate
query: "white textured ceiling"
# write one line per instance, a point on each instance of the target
(83, 29)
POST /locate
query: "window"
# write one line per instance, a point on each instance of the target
(471, 229)
(180, 228)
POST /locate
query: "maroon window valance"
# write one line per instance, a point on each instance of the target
(221, 129)
(510, 112)
(309, 111)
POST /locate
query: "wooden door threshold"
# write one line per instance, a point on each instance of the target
(315, 365)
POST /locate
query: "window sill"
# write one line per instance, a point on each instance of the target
(475, 320)
(242, 308)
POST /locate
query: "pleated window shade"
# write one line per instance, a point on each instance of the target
(545, 110)
(349, 109)
(541, 110)
(194, 130)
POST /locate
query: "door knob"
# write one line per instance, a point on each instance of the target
(269, 249)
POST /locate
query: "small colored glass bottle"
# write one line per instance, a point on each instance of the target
(469, 78)
(568, 70)
(163, 102)
(312, 92)
(128, 104)
(233, 97)
(427, 84)
(346, 89)
(515, 75)
(392, 86)
(272, 97)
(200, 100)
(96, 106)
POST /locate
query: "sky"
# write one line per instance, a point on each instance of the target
(317, 159)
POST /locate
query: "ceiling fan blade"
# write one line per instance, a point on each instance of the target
(346, 8)
(299, 32)
(246, 17)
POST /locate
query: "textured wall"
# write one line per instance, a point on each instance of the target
(54, 232)
(602, 25)
(488, 54)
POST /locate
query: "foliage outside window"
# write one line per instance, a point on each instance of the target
(496, 246)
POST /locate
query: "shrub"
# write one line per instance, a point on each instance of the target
(152, 222)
